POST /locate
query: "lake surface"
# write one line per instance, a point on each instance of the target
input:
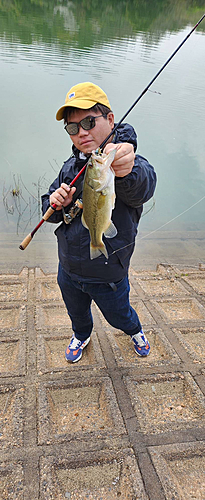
(45, 48)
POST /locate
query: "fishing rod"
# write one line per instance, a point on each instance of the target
(53, 207)
(152, 81)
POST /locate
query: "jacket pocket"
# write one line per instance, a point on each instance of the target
(122, 247)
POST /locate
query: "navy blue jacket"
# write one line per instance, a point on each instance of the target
(74, 241)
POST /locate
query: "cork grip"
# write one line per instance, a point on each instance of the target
(25, 242)
(48, 213)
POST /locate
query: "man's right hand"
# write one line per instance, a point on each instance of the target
(62, 196)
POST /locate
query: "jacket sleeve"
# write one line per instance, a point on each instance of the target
(137, 187)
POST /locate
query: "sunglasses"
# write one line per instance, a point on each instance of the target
(86, 123)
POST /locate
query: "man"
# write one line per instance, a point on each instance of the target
(88, 119)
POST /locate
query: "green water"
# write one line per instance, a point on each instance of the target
(48, 46)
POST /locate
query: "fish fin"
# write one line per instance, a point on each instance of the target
(83, 222)
(111, 231)
(97, 251)
(113, 200)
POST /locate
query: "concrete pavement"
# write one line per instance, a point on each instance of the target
(113, 425)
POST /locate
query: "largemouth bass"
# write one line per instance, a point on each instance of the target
(99, 201)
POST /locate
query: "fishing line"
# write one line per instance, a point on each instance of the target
(160, 227)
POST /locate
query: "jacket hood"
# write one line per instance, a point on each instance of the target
(124, 133)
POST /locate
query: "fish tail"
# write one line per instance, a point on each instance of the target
(96, 251)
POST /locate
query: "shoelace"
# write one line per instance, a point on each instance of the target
(140, 339)
(75, 343)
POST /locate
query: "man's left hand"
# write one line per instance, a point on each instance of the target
(124, 158)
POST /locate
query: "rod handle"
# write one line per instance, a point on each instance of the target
(25, 242)
(49, 212)
(28, 238)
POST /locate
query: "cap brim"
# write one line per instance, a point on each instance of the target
(76, 103)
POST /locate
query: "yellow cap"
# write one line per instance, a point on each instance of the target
(83, 96)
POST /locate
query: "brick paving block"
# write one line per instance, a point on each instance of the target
(14, 290)
(192, 340)
(185, 270)
(161, 270)
(12, 317)
(52, 316)
(11, 416)
(196, 281)
(82, 410)
(145, 317)
(48, 289)
(23, 276)
(105, 476)
(161, 286)
(11, 480)
(161, 351)
(167, 402)
(180, 310)
(51, 353)
(166, 269)
(12, 357)
(180, 468)
(39, 274)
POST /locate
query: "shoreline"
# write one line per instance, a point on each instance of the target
(171, 248)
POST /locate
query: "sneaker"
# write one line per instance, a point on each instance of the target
(141, 344)
(74, 351)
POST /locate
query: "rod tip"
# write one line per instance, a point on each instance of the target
(21, 248)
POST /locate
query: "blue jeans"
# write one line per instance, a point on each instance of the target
(114, 305)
